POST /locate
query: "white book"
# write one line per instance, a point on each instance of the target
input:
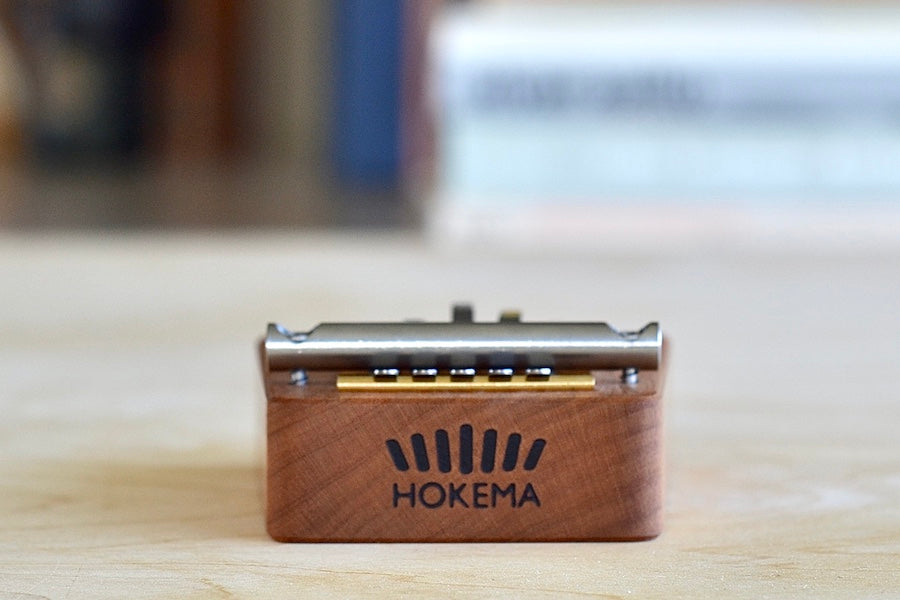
(545, 106)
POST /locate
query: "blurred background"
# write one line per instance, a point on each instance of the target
(563, 123)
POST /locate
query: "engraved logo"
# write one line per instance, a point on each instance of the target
(490, 459)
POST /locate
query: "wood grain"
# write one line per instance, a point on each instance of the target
(132, 416)
(331, 478)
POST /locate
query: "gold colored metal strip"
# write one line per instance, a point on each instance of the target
(404, 383)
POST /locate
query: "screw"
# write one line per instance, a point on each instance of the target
(299, 377)
(630, 375)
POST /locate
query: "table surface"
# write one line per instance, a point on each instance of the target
(131, 443)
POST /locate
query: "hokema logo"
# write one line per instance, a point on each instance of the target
(466, 494)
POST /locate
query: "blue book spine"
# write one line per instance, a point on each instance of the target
(366, 126)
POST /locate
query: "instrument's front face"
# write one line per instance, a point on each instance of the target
(464, 431)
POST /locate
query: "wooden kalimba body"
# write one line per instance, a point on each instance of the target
(476, 443)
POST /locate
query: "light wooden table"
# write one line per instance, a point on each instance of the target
(131, 438)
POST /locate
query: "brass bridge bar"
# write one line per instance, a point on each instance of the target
(559, 382)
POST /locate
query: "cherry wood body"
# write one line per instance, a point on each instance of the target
(332, 478)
